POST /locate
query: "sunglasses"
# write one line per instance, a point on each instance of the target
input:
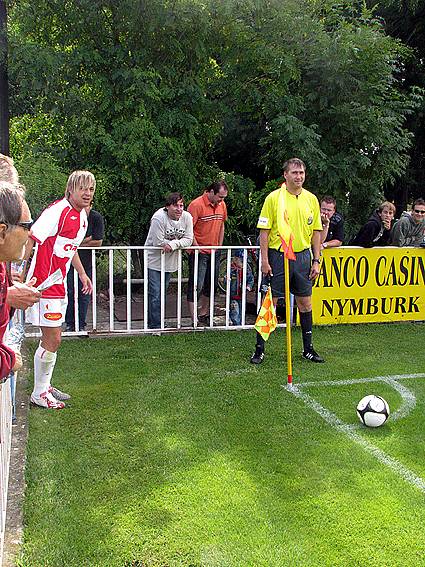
(419, 211)
(23, 224)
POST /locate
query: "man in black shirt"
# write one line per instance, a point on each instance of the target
(332, 234)
(377, 230)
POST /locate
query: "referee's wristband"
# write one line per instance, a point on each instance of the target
(317, 260)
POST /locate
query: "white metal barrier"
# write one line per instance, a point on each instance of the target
(119, 303)
(5, 444)
(13, 335)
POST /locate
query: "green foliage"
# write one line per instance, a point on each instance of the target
(126, 111)
(36, 133)
(242, 214)
(43, 179)
(405, 20)
(156, 97)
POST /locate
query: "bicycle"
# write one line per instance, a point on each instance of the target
(252, 262)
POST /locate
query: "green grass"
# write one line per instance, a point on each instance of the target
(175, 451)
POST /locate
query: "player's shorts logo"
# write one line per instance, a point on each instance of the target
(53, 316)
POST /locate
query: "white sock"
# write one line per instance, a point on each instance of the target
(44, 363)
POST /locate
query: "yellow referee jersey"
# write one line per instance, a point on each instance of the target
(303, 217)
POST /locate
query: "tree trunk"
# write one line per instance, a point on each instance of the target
(4, 84)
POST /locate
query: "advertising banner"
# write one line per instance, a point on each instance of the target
(365, 285)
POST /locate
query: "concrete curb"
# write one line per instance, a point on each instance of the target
(14, 514)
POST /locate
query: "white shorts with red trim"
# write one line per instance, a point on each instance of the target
(48, 312)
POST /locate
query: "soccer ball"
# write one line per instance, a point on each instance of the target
(373, 411)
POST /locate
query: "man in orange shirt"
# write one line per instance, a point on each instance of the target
(209, 214)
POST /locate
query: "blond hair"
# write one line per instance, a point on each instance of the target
(387, 205)
(79, 179)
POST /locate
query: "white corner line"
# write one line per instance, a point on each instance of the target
(408, 400)
(359, 380)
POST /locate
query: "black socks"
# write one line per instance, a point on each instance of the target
(260, 342)
(306, 320)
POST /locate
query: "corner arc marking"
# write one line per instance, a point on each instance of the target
(407, 396)
(350, 430)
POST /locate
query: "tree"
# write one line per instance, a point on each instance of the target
(4, 84)
(405, 20)
(125, 111)
(159, 96)
(327, 91)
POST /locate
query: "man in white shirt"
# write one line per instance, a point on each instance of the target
(171, 228)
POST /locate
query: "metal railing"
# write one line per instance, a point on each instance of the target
(119, 303)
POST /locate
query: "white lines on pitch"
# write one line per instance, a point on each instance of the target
(361, 380)
(409, 402)
(408, 397)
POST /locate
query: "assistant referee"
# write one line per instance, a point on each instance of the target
(303, 212)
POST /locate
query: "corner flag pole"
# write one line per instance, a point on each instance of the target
(288, 321)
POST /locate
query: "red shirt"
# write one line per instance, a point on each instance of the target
(7, 356)
(207, 221)
(58, 232)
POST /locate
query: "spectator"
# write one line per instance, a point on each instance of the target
(303, 212)
(171, 228)
(332, 234)
(15, 223)
(57, 233)
(410, 229)
(377, 230)
(7, 170)
(94, 237)
(209, 214)
(236, 281)
(19, 296)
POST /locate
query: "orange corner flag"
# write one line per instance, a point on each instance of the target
(266, 321)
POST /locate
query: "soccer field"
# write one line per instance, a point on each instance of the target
(175, 451)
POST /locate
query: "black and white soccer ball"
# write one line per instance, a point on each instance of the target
(373, 411)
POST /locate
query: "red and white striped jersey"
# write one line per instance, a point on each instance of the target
(58, 232)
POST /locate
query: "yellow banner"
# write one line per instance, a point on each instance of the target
(359, 285)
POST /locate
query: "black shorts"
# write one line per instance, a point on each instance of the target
(299, 270)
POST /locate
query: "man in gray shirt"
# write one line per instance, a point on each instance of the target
(410, 229)
(171, 228)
